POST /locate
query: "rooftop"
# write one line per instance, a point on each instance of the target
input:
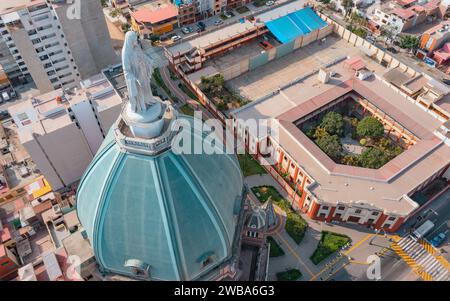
(227, 31)
(146, 14)
(302, 93)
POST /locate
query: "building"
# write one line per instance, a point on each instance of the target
(331, 191)
(52, 46)
(154, 19)
(62, 130)
(153, 212)
(188, 12)
(435, 37)
(9, 263)
(400, 16)
(6, 89)
(302, 88)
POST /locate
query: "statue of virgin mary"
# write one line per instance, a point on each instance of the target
(138, 71)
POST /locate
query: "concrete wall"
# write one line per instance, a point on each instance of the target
(256, 61)
(88, 123)
(31, 59)
(88, 38)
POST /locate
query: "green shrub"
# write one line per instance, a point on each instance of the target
(275, 249)
(330, 242)
(373, 158)
(289, 275)
(295, 226)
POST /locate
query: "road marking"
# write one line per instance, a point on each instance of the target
(359, 243)
(421, 257)
(294, 253)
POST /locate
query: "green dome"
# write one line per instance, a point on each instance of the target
(178, 214)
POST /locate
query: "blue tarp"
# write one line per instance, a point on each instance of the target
(295, 24)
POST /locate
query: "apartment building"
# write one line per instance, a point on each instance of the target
(55, 43)
(63, 129)
(402, 15)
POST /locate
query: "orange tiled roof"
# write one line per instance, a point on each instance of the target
(146, 15)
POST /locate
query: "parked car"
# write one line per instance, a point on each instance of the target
(227, 14)
(175, 38)
(270, 3)
(392, 49)
(186, 30)
(218, 22)
(4, 115)
(438, 239)
(446, 81)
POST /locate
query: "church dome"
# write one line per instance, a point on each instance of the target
(177, 214)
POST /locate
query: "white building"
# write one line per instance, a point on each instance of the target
(62, 130)
(53, 47)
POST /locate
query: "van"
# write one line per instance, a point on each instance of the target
(421, 231)
(5, 96)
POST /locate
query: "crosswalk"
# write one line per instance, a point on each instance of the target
(422, 258)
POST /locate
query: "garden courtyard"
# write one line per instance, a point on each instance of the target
(352, 137)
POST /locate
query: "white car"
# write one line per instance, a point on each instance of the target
(218, 22)
(270, 3)
(175, 38)
(227, 14)
(186, 30)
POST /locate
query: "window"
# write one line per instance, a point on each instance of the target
(375, 213)
(358, 211)
(341, 208)
(391, 218)
(207, 261)
(325, 207)
(370, 221)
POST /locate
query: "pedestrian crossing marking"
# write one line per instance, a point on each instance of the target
(422, 257)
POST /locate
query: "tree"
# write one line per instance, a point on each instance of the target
(320, 132)
(350, 160)
(214, 84)
(331, 145)
(373, 158)
(333, 123)
(370, 127)
(348, 5)
(409, 42)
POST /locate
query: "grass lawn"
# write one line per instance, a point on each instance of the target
(289, 275)
(250, 166)
(295, 226)
(187, 110)
(329, 243)
(242, 9)
(188, 91)
(264, 192)
(275, 249)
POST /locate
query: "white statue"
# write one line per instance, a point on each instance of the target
(137, 70)
(144, 112)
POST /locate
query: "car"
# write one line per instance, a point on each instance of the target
(392, 49)
(175, 38)
(227, 14)
(446, 81)
(4, 115)
(186, 30)
(438, 239)
(201, 24)
(218, 22)
(270, 3)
